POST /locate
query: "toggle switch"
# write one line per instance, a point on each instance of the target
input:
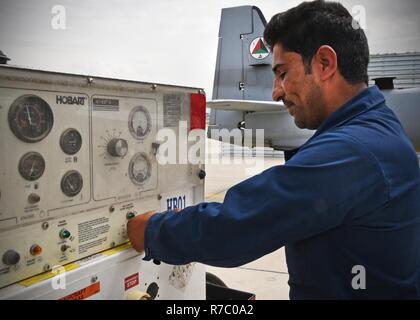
(64, 248)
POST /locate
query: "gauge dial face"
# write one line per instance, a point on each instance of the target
(71, 183)
(30, 118)
(71, 141)
(139, 169)
(139, 122)
(31, 166)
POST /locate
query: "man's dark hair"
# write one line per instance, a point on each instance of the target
(310, 25)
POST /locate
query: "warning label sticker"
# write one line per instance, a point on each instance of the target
(84, 293)
(131, 281)
(92, 233)
(171, 110)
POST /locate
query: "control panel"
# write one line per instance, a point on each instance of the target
(79, 156)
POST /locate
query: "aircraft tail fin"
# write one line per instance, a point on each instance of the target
(243, 67)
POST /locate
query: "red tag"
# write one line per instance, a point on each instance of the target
(131, 281)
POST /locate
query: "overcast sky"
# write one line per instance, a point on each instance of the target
(164, 41)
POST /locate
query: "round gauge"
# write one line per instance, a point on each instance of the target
(139, 122)
(139, 168)
(31, 166)
(30, 118)
(71, 183)
(70, 141)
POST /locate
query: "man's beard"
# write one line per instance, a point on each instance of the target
(315, 113)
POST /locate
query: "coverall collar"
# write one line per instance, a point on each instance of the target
(368, 98)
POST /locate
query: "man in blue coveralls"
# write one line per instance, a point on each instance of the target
(348, 199)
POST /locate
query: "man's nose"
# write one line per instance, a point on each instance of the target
(278, 92)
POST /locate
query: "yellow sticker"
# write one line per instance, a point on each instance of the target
(47, 275)
(115, 250)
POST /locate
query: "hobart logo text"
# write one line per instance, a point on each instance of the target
(80, 101)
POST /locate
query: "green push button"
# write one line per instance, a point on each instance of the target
(64, 234)
(131, 215)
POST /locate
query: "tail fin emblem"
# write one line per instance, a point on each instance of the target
(259, 49)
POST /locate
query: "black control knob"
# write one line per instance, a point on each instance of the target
(33, 198)
(153, 290)
(117, 147)
(11, 257)
(201, 174)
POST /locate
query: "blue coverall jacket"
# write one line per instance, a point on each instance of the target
(346, 206)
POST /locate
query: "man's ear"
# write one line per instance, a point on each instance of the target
(326, 61)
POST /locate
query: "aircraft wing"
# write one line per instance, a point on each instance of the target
(246, 105)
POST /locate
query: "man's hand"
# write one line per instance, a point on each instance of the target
(136, 228)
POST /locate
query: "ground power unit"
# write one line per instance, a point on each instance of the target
(79, 156)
